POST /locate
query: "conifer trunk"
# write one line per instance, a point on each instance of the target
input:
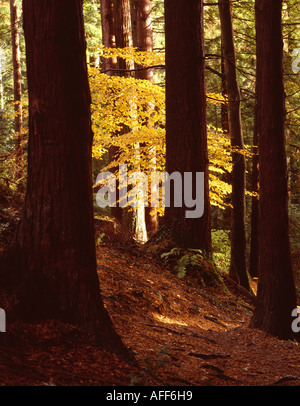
(186, 133)
(53, 253)
(108, 33)
(254, 209)
(238, 269)
(17, 77)
(123, 36)
(276, 296)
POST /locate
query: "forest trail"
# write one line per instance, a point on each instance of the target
(180, 333)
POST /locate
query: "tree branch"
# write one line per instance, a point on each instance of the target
(156, 67)
(134, 70)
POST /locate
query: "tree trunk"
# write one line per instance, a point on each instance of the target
(254, 209)
(238, 270)
(224, 107)
(1, 89)
(142, 33)
(17, 77)
(53, 253)
(109, 22)
(186, 132)
(133, 219)
(123, 39)
(108, 33)
(276, 297)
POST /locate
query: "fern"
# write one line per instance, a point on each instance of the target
(174, 252)
(181, 267)
(190, 258)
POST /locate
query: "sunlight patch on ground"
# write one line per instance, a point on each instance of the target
(167, 320)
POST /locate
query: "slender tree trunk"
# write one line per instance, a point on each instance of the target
(142, 32)
(109, 21)
(1, 89)
(123, 39)
(53, 253)
(108, 33)
(276, 297)
(17, 76)
(294, 178)
(133, 219)
(224, 107)
(117, 32)
(254, 210)
(186, 132)
(238, 268)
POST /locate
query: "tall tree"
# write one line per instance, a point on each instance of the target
(238, 269)
(186, 132)
(2, 60)
(109, 21)
(254, 209)
(16, 74)
(142, 30)
(108, 33)
(53, 253)
(123, 39)
(117, 32)
(276, 297)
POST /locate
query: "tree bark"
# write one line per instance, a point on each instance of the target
(1, 90)
(276, 297)
(123, 39)
(254, 210)
(108, 33)
(16, 59)
(109, 22)
(238, 269)
(186, 132)
(224, 107)
(53, 253)
(142, 33)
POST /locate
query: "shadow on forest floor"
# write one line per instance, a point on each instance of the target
(181, 334)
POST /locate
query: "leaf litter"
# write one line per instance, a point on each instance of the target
(181, 334)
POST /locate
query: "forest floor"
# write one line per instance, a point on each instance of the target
(181, 334)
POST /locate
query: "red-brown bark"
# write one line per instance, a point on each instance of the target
(186, 133)
(16, 59)
(276, 297)
(53, 252)
(238, 268)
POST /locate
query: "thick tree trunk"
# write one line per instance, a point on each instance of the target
(17, 76)
(276, 297)
(54, 250)
(186, 132)
(238, 270)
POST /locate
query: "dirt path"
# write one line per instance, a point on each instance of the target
(190, 336)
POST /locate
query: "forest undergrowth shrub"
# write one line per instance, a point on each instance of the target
(294, 214)
(221, 249)
(192, 263)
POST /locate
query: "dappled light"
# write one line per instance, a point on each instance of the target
(149, 196)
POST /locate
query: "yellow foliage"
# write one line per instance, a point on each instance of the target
(126, 102)
(132, 54)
